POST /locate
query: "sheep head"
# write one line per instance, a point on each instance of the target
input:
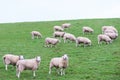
(21, 57)
(38, 59)
(65, 57)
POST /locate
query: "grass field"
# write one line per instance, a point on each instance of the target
(98, 62)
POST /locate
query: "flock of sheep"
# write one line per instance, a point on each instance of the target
(109, 33)
(21, 64)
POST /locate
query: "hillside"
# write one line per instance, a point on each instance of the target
(98, 62)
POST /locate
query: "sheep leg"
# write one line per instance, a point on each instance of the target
(18, 74)
(50, 70)
(58, 71)
(64, 40)
(61, 70)
(34, 73)
(6, 67)
(32, 36)
(64, 71)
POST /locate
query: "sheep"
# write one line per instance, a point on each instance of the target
(10, 59)
(69, 36)
(84, 40)
(112, 35)
(103, 37)
(110, 28)
(59, 63)
(27, 64)
(66, 25)
(58, 34)
(87, 29)
(52, 41)
(37, 34)
(58, 28)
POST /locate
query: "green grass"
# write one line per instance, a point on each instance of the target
(98, 62)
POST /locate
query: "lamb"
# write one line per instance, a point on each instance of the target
(84, 40)
(110, 28)
(58, 28)
(103, 37)
(10, 59)
(69, 36)
(59, 63)
(66, 25)
(28, 64)
(112, 35)
(87, 30)
(36, 34)
(52, 41)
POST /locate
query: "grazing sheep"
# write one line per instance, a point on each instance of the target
(66, 25)
(103, 37)
(59, 63)
(110, 28)
(87, 30)
(112, 35)
(36, 33)
(58, 34)
(10, 59)
(58, 28)
(69, 36)
(52, 41)
(27, 64)
(83, 40)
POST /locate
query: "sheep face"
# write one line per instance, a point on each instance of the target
(65, 57)
(21, 57)
(38, 59)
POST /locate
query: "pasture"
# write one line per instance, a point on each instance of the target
(98, 62)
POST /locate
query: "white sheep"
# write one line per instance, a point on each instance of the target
(58, 34)
(69, 36)
(58, 28)
(51, 41)
(87, 30)
(84, 40)
(66, 25)
(112, 35)
(10, 59)
(27, 64)
(59, 63)
(110, 28)
(36, 34)
(103, 37)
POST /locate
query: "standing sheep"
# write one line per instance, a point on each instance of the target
(69, 36)
(27, 64)
(59, 63)
(58, 28)
(84, 40)
(103, 37)
(66, 25)
(36, 34)
(87, 30)
(58, 34)
(52, 41)
(10, 59)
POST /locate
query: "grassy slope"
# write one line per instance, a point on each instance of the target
(90, 63)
